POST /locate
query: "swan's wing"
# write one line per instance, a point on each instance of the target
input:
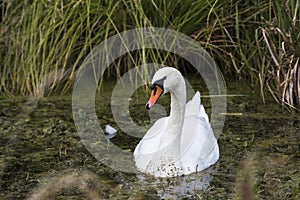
(149, 144)
(195, 108)
(199, 147)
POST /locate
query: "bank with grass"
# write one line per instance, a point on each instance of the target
(43, 43)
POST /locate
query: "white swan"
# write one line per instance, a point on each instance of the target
(181, 143)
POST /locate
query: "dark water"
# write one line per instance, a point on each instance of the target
(42, 156)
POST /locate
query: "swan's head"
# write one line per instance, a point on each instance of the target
(163, 81)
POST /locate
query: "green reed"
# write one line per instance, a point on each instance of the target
(44, 42)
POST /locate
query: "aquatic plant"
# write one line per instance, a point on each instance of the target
(282, 39)
(44, 42)
(46, 37)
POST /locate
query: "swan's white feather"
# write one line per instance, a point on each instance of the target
(109, 129)
(198, 145)
(195, 108)
(182, 143)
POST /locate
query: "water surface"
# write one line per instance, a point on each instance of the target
(42, 156)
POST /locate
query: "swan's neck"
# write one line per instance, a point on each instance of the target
(178, 101)
(172, 134)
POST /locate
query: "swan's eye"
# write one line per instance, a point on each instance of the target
(154, 90)
(158, 83)
(152, 86)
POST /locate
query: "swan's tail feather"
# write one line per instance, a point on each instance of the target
(195, 108)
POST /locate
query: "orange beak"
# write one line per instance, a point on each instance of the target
(155, 94)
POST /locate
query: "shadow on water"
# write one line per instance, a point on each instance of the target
(42, 157)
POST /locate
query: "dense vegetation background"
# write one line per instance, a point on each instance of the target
(43, 42)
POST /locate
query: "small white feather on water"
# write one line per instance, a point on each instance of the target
(109, 129)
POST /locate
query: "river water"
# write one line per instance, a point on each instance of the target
(43, 157)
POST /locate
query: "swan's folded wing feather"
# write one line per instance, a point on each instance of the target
(195, 108)
(199, 146)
